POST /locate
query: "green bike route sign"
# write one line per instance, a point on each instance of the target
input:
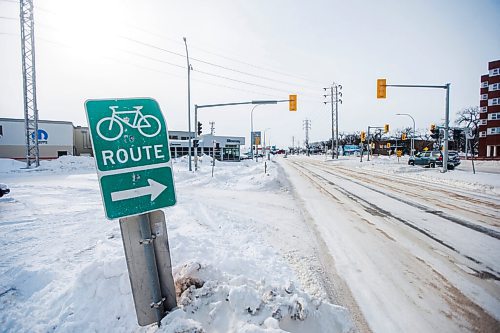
(131, 150)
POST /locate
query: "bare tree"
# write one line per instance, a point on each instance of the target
(469, 118)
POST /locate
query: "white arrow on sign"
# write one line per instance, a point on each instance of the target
(154, 189)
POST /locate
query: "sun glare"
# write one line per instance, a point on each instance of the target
(93, 27)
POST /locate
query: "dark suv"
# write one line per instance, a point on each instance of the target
(434, 158)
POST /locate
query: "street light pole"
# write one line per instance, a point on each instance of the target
(189, 103)
(252, 139)
(412, 152)
(264, 150)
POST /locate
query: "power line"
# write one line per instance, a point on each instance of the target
(199, 60)
(205, 73)
(212, 64)
(226, 57)
(60, 44)
(213, 53)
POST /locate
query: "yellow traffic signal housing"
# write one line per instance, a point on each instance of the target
(403, 136)
(399, 153)
(433, 127)
(363, 136)
(388, 145)
(292, 103)
(381, 88)
(386, 128)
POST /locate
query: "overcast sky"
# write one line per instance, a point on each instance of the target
(248, 50)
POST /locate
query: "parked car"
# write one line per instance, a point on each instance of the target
(245, 156)
(453, 159)
(4, 189)
(434, 158)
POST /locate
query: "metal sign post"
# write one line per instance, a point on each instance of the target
(147, 252)
(469, 135)
(132, 155)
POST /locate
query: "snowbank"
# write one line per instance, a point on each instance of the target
(64, 268)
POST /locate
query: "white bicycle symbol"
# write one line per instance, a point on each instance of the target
(148, 125)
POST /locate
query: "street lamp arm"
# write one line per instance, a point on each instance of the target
(413, 136)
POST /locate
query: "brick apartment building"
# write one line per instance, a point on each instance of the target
(489, 116)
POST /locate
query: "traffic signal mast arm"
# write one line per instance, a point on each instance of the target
(414, 86)
(381, 85)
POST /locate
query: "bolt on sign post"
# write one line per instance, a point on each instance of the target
(132, 155)
(292, 103)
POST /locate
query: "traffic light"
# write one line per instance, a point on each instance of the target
(199, 130)
(381, 88)
(363, 136)
(196, 143)
(292, 103)
(388, 145)
(433, 127)
(386, 128)
(403, 136)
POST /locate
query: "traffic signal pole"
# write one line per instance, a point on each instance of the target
(256, 103)
(381, 85)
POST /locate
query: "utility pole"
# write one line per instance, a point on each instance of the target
(293, 145)
(212, 127)
(334, 100)
(29, 82)
(307, 127)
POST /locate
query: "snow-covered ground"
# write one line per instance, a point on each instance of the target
(244, 234)
(63, 269)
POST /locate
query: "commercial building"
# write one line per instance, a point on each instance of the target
(55, 138)
(58, 138)
(225, 148)
(489, 113)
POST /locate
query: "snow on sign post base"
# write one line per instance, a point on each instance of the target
(130, 142)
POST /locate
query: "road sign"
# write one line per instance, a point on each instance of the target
(130, 142)
(256, 138)
(469, 134)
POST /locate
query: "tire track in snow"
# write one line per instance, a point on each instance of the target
(491, 274)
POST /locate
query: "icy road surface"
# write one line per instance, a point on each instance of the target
(419, 254)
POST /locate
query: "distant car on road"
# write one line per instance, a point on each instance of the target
(434, 158)
(4, 189)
